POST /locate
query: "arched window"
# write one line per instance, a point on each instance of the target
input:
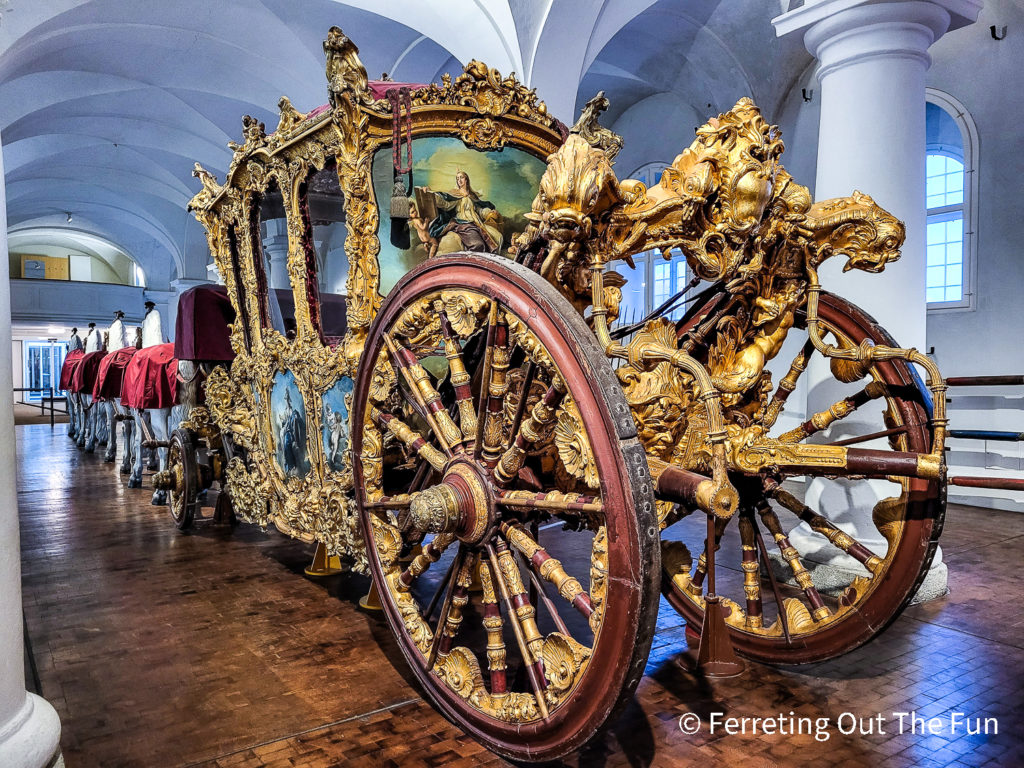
(655, 279)
(951, 199)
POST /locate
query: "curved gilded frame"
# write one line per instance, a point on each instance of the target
(480, 107)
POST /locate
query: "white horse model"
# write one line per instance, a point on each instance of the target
(118, 339)
(74, 344)
(160, 422)
(88, 435)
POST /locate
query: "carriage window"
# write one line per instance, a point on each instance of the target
(243, 306)
(326, 260)
(273, 228)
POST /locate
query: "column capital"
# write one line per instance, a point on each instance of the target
(181, 284)
(843, 32)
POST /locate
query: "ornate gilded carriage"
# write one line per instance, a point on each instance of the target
(484, 431)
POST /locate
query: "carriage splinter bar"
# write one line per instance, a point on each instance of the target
(995, 483)
(984, 381)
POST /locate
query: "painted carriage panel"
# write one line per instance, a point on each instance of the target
(288, 425)
(335, 405)
(463, 199)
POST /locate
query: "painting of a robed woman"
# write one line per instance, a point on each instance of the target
(462, 199)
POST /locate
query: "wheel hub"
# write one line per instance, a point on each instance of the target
(462, 503)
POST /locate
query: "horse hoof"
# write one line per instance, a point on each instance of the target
(109, 457)
(134, 483)
(126, 470)
(90, 449)
(159, 499)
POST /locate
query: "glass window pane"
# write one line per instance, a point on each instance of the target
(935, 276)
(936, 294)
(634, 292)
(954, 275)
(954, 293)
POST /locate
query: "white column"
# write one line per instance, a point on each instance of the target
(275, 245)
(29, 726)
(872, 62)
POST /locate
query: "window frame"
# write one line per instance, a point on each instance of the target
(969, 206)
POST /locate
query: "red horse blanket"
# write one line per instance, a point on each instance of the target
(67, 371)
(151, 378)
(84, 377)
(111, 374)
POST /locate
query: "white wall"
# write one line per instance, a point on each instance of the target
(981, 73)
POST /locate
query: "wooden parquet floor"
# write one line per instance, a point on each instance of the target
(213, 649)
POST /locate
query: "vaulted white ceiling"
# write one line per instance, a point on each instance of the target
(106, 104)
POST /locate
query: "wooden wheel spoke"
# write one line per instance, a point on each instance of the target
(523, 617)
(497, 387)
(788, 383)
(459, 377)
(803, 578)
(463, 577)
(751, 573)
(542, 415)
(425, 395)
(428, 555)
(822, 525)
(493, 624)
(836, 412)
(556, 501)
(485, 383)
(696, 585)
(549, 568)
(412, 439)
(401, 501)
(449, 587)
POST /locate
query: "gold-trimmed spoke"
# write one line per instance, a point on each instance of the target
(497, 388)
(819, 611)
(448, 587)
(696, 583)
(460, 598)
(549, 568)
(836, 412)
(788, 383)
(555, 501)
(428, 555)
(460, 379)
(425, 395)
(820, 524)
(412, 439)
(754, 618)
(492, 621)
(522, 617)
(485, 383)
(542, 416)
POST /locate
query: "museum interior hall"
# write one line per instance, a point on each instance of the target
(511, 382)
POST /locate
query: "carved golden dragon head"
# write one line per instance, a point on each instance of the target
(858, 228)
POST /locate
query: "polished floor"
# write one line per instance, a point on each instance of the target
(213, 649)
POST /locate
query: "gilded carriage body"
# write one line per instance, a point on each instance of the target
(476, 430)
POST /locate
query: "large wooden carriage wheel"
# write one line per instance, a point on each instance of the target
(800, 620)
(514, 544)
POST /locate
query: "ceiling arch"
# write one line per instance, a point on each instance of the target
(106, 104)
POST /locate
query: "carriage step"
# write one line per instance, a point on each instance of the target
(996, 483)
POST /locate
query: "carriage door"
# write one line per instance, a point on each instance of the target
(42, 364)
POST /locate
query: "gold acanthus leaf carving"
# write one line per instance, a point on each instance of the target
(483, 132)
(574, 446)
(465, 311)
(484, 89)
